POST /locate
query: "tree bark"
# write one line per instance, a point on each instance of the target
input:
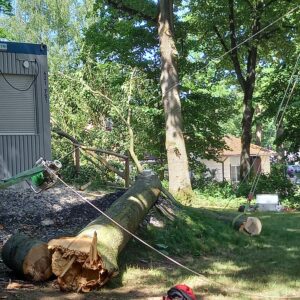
(89, 260)
(179, 179)
(246, 135)
(28, 257)
(258, 127)
(248, 111)
(247, 81)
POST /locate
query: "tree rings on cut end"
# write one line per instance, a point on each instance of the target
(253, 226)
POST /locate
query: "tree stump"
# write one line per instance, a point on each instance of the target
(89, 260)
(28, 257)
(241, 222)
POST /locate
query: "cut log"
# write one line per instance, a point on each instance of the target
(89, 260)
(28, 257)
(251, 225)
(241, 222)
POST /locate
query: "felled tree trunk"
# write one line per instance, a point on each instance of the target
(89, 260)
(28, 257)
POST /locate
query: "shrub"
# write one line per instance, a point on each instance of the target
(201, 176)
(275, 182)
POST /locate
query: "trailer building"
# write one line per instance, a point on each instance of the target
(24, 107)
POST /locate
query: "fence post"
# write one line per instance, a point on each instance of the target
(77, 158)
(127, 172)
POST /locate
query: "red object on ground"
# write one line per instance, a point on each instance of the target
(250, 197)
(181, 291)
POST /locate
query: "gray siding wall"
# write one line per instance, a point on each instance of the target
(19, 152)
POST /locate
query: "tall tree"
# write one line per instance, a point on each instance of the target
(230, 22)
(179, 180)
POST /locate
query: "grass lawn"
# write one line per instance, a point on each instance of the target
(232, 263)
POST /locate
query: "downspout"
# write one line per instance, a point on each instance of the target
(222, 162)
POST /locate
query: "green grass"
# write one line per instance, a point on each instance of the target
(268, 264)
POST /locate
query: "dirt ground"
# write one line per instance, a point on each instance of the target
(54, 213)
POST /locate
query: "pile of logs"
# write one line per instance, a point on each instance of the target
(89, 259)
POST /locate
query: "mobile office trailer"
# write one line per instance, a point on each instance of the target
(24, 107)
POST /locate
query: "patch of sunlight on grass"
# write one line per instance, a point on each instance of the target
(227, 267)
(293, 230)
(137, 274)
(292, 249)
(264, 216)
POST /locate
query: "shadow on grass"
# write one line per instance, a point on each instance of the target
(219, 252)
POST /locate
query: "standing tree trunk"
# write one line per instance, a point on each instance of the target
(248, 107)
(246, 81)
(258, 127)
(246, 132)
(179, 179)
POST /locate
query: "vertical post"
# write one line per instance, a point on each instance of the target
(77, 158)
(127, 172)
(223, 175)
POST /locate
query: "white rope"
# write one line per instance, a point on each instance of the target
(257, 33)
(287, 103)
(287, 89)
(71, 152)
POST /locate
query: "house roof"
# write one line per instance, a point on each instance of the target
(235, 148)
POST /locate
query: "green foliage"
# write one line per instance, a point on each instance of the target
(208, 28)
(102, 46)
(274, 183)
(5, 7)
(123, 37)
(201, 176)
(273, 90)
(293, 202)
(101, 92)
(205, 115)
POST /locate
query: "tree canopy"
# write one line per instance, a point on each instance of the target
(105, 65)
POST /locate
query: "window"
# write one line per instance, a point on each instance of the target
(17, 108)
(235, 173)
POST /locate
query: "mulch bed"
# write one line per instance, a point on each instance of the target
(54, 213)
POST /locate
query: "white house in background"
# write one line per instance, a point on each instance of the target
(228, 167)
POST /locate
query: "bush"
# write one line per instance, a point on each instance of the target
(201, 176)
(274, 183)
(224, 190)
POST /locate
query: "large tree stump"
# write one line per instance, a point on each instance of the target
(89, 260)
(28, 257)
